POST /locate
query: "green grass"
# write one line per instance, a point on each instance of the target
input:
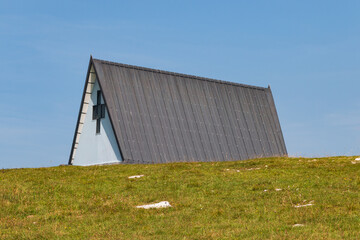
(218, 200)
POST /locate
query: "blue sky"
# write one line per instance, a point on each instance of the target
(308, 51)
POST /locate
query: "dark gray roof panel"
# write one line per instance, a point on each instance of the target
(161, 117)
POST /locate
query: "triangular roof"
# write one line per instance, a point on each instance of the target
(161, 116)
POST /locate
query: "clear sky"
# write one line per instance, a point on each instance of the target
(308, 51)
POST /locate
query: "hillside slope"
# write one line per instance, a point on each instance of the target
(255, 199)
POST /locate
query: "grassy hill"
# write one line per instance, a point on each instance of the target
(255, 199)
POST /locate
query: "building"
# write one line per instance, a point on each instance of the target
(132, 114)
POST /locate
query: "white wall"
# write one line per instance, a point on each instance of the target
(96, 148)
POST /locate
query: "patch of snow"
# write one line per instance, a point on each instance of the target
(304, 205)
(357, 159)
(249, 169)
(265, 190)
(136, 176)
(278, 189)
(298, 225)
(163, 204)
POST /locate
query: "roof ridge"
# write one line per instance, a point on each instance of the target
(179, 74)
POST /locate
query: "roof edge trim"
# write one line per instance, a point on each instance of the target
(178, 74)
(80, 109)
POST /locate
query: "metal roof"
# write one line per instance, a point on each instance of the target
(161, 116)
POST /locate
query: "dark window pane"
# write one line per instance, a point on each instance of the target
(95, 112)
(98, 126)
(102, 110)
(98, 97)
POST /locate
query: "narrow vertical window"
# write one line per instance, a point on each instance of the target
(98, 111)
